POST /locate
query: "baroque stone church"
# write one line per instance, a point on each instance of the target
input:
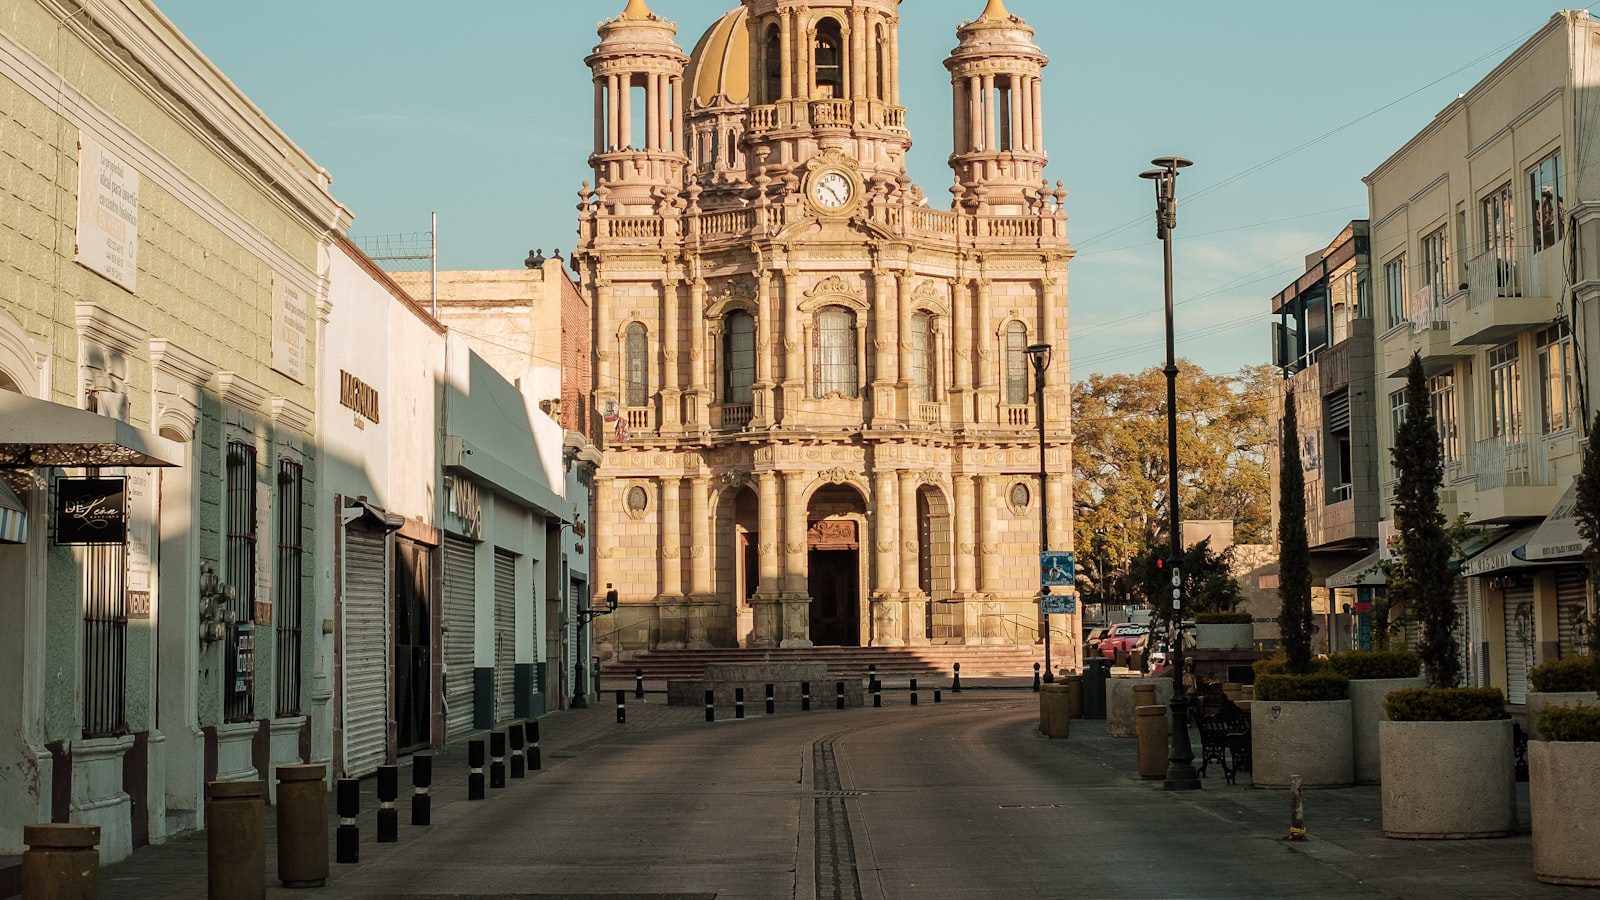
(819, 412)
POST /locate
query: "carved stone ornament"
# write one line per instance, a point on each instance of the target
(734, 478)
(909, 546)
(700, 552)
(832, 534)
(767, 549)
(841, 475)
(669, 552)
(884, 546)
(792, 547)
(931, 476)
(830, 286)
(605, 553)
(966, 549)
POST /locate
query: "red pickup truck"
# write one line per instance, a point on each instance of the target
(1121, 638)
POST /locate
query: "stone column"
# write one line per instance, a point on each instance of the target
(700, 391)
(976, 104)
(671, 378)
(886, 620)
(796, 596)
(987, 511)
(984, 356)
(652, 111)
(765, 602)
(675, 112)
(916, 602)
(903, 346)
(613, 112)
(961, 344)
(786, 45)
(601, 539)
(761, 415)
(608, 365)
(965, 537)
(794, 371)
(858, 56)
(1038, 116)
(885, 349)
(991, 118)
(894, 63)
(625, 112)
(1014, 107)
(599, 116)
(703, 612)
(1024, 95)
(671, 489)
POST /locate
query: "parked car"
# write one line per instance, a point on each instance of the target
(1120, 639)
(1092, 638)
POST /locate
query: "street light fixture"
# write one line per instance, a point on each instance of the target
(1039, 356)
(580, 686)
(1181, 775)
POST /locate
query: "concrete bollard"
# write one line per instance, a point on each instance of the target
(838, 695)
(497, 759)
(421, 781)
(1053, 719)
(519, 754)
(1150, 726)
(936, 696)
(913, 692)
(738, 703)
(638, 684)
(877, 693)
(535, 755)
(1074, 685)
(388, 793)
(1036, 681)
(62, 862)
(475, 769)
(955, 680)
(872, 672)
(711, 706)
(303, 825)
(805, 696)
(622, 707)
(772, 705)
(1144, 695)
(347, 840)
(236, 840)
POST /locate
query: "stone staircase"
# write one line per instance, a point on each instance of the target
(898, 663)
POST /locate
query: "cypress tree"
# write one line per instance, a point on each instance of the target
(1423, 581)
(1294, 554)
(1587, 511)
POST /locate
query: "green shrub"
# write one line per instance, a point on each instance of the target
(1360, 664)
(1445, 705)
(1322, 685)
(1570, 723)
(1279, 665)
(1223, 618)
(1565, 675)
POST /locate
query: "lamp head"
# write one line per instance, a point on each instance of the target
(1154, 174)
(1039, 354)
(1171, 163)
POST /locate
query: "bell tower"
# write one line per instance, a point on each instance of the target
(996, 73)
(639, 152)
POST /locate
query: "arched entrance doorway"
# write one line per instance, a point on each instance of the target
(738, 568)
(835, 520)
(941, 619)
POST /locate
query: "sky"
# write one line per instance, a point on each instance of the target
(482, 110)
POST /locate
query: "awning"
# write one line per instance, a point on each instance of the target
(13, 516)
(1364, 573)
(40, 433)
(1507, 553)
(1558, 537)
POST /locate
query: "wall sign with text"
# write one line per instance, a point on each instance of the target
(91, 510)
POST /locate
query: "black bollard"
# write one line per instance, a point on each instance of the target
(519, 757)
(805, 696)
(388, 793)
(1036, 678)
(955, 683)
(535, 756)
(913, 692)
(711, 706)
(475, 769)
(497, 759)
(738, 703)
(877, 693)
(838, 695)
(872, 672)
(622, 707)
(347, 848)
(771, 703)
(421, 781)
(936, 696)
(638, 684)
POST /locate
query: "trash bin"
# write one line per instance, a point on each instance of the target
(1151, 725)
(1094, 688)
(1074, 685)
(1053, 712)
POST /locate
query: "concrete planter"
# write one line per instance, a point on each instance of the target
(1537, 701)
(1448, 780)
(1232, 636)
(1366, 711)
(1309, 738)
(1564, 790)
(1120, 703)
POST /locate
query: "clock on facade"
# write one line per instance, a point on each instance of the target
(832, 190)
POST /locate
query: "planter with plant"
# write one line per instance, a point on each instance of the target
(1568, 681)
(1373, 675)
(1446, 752)
(1224, 631)
(1564, 794)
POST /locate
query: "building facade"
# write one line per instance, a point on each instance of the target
(817, 410)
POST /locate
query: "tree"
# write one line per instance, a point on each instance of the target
(1294, 552)
(1588, 514)
(1422, 579)
(1208, 582)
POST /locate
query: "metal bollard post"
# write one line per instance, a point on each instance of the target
(535, 755)
(1036, 678)
(913, 692)
(61, 860)
(738, 703)
(872, 672)
(638, 684)
(711, 706)
(805, 696)
(877, 693)
(838, 695)
(1297, 810)
(771, 703)
(236, 842)
(302, 814)
(519, 757)
(936, 697)
(622, 707)
(955, 682)
(475, 769)
(497, 759)
(348, 837)
(421, 781)
(388, 816)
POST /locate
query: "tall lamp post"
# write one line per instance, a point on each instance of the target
(580, 681)
(1181, 775)
(1039, 356)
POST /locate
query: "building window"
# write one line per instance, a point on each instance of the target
(922, 356)
(1394, 284)
(291, 556)
(1445, 416)
(1556, 399)
(775, 61)
(105, 640)
(1436, 266)
(1016, 363)
(1346, 303)
(1505, 393)
(1549, 208)
(1019, 497)
(829, 55)
(738, 357)
(835, 371)
(636, 368)
(881, 48)
(1397, 418)
(240, 565)
(1500, 234)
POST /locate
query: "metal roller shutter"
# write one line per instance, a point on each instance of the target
(1572, 604)
(366, 641)
(1519, 639)
(459, 593)
(1463, 651)
(505, 634)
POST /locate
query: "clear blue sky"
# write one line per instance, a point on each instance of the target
(481, 109)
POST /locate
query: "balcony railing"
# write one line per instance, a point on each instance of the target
(934, 221)
(1010, 227)
(894, 118)
(734, 416)
(728, 221)
(1489, 278)
(763, 118)
(646, 227)
(1502, 462)
(831, 114)
(638, 418)
(1016, 414)
(929, 413)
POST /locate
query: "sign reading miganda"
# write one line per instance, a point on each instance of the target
(108, 214)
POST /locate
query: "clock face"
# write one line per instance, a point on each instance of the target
(832, 190)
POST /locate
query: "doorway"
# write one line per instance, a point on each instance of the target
(835, 588)
(413, 674)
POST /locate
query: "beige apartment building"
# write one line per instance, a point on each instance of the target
(1483, 251)
(818, 411)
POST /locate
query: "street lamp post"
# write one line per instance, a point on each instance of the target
(1181, 775)
(580, 686)
(1039, 355)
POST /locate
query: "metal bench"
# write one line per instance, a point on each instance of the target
(1225, 740)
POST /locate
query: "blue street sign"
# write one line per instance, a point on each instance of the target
(1057, 568)
(1059, 604)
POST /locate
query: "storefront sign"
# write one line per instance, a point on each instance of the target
(244, 660)
(141, 525)
(264, 554)
(360, 397)
(91, 510)
(108, 214)
(289, 330)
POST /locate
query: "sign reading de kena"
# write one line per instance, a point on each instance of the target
(91, 510)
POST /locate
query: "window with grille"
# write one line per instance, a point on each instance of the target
(835, 369)
(1436, 265)
(1016, 363)
(1394, 284)
(240, 566)
(1500, 234)
(922, 355)
(1544, 195)
(105, 640)
(1556, 378)
(291, 558)
(636, 365)
(738, 357)
(1446, 416)
(1505, 393)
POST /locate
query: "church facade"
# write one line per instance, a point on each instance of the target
(817, 404)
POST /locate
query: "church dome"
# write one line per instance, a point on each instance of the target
(720, 63)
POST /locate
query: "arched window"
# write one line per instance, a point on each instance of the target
(922, 356)
(881, 48)
(738, 356)
(1016, 363)
(733, 148)
(636, 365)
(834, 367)
(774, 58)
(829, 54)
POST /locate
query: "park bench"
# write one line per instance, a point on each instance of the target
(1225, 740)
